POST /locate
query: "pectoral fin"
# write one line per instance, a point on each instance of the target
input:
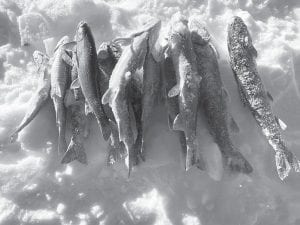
(170, 122)
(69, 98)
(225, 94)
(87, 109)
(174, 91)
(66, 58)
(281, 124)
(233, 125)
(75, 84)
(178, 123)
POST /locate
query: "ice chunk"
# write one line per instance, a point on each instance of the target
(60, 208)
(49, 44)
(33, 28)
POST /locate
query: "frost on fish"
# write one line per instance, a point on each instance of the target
(253, 94)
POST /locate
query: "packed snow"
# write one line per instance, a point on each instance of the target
(36, 189)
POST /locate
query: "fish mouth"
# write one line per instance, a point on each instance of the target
(152, 23)
(199, 33)
(82, 24)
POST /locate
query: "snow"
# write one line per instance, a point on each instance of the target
(36, 189)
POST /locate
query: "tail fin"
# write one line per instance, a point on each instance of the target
(237, 162)
(74, 152)
(190, 159)
(105, 127)
(285, 161)
(131, 160)
(13, 137)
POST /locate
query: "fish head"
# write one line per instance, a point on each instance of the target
(154, 28)
(103, 51)
(237, 30)
(40, 60)
(178, 29)
(82, 30)
(61, 42)
(199, 33)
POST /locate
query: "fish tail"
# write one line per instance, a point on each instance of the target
(190, 159)
(131, 158)
(236, 161)
(105, 128)
(75, 151)
(285, 162)
(13, 137)
(115, 152)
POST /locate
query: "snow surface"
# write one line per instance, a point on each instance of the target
(36, 189)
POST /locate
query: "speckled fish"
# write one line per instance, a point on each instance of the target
(75, 102)
(188, 84)
(253, 94)
(88, 71)
(108, 55)
(39, 97)
(60, 79)
(131, 59)
(214, 98)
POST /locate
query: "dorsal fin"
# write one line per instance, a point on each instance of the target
(253, 51)
(123, 40)
(213, 47)
(281, 124)
(174, 91)
(226, 94)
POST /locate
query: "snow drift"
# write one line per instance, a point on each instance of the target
(36, 189)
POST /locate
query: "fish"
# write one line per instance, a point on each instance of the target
(108, 55)
(88, 72)
(253, 94)
(188, 84)
(172, 105)
(151, 85)
(214, 98)
(60, 80)
(40, 96)
(116, 96)
(75, 102)
(150, 80)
